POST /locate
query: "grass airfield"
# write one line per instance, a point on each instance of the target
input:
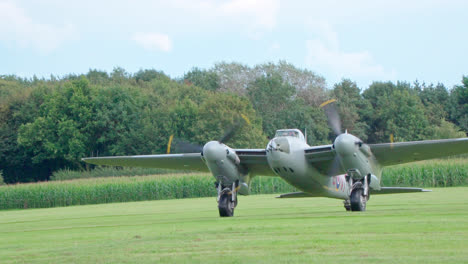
(401, 228)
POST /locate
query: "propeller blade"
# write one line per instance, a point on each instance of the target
(187, 147)
(229, 133)
(335, 167)
(238, 124)
(169, 144)
(333, 117)
(182, 146)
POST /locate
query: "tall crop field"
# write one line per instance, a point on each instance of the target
(122, 189)
(434, 173)
(431, 173)
(104, 171)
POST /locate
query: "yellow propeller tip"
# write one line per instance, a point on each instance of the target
(327, 102)
(169, 144)
(246, 119)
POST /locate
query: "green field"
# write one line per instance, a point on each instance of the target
(404, 228)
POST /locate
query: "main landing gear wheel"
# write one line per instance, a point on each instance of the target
(225, 205)
(358, 200)
(227, 199)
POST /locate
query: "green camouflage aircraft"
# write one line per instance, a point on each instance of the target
(348, 169)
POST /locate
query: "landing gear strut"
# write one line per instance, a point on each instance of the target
(227, 199)
(359, 194)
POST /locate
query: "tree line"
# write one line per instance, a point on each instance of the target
(50, 124)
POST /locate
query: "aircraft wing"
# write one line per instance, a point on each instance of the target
(254, 160)
(322, 158)
(396, 153)
(191, 161)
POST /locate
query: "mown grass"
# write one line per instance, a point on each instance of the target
(405, 228)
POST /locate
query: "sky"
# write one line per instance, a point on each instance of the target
(363, 40)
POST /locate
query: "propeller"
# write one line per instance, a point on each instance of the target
(333, 117)
(334, 123)
(344, 144)
(238, 124)
(184, 146)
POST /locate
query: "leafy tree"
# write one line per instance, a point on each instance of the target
(274, 101)
(46, 125)
(446, 129)
(233, 77)
(149, 75)
(397, 110)
(435, 100)
(119, 75)
(97, 77)
(269, 96)
(15, 160)
(352, 107)
(309, 86)
(459, 104)
(221, 112)
(59, 132)
(236, 78)
(208, 80)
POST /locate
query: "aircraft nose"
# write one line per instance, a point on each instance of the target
(345, 145)
(214, 150)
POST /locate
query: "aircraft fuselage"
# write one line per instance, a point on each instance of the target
(288, 161)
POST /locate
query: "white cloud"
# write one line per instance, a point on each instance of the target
(153, 41)
(324, 52)
(17, 28)
(253, 16)
(262, 13)
(274, 47)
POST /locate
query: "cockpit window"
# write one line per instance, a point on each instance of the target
(287, 133)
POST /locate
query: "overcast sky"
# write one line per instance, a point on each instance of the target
(362, 40)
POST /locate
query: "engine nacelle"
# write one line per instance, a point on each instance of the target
(223, 163)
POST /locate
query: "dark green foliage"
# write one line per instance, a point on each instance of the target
(97, 77)
(459, 105)
(353, 108)
(208, 80)
(274, 101)
(435, 100)
(397, 110)
(149, 75)
(52, 125)
(48, 125)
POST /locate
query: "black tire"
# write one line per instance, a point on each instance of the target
(225, 206)
(358, 201)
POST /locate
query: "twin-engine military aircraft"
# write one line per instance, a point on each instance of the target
(348, 169)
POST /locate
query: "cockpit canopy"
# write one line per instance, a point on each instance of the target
(290, 133)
